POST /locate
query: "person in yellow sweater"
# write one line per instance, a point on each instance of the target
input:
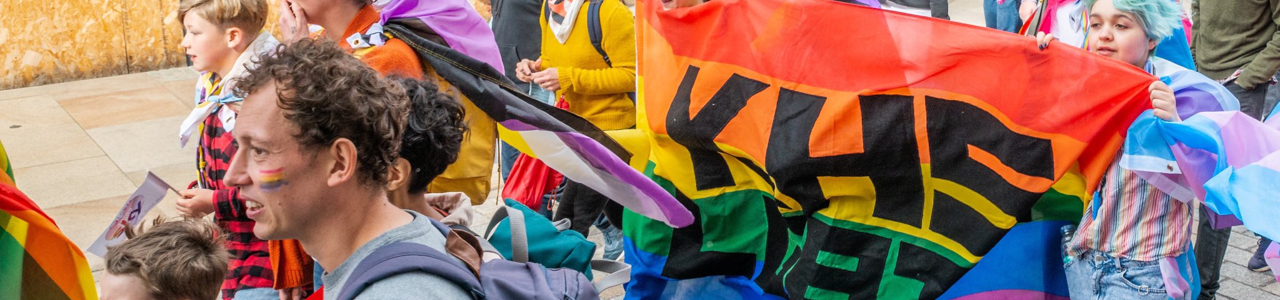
(592, 87)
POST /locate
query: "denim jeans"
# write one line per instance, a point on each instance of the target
(612, 238)
(257, 294)
(508, 158)
(1003, 17)
(1096, 275)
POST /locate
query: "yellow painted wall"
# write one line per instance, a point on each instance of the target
(44, 42)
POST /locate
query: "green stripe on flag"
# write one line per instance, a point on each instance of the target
(838, 261)
(816, 293)
(894, 235)
(1056, 206)
(11, 253)
(733, 222)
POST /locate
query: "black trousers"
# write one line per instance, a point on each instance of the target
(581, 205)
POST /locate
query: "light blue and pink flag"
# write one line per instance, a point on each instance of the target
(1273, 257)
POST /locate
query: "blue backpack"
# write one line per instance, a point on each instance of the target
(494, 279)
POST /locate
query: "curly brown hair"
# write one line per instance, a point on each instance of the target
(433, 134)
(175, 260)
(330, 95)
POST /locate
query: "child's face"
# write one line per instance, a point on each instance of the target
(123, 287)
(207, 45)
(1118, 35)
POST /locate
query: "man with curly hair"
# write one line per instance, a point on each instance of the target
(318, 134)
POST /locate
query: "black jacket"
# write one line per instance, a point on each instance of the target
(519, 36)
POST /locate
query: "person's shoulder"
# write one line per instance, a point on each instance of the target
(416, 285)
(394, 58)
(614, 8)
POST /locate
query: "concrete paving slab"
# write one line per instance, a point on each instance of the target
(72, 182)
(32, 112)
(42, 145)
(101, 110)
(139, 146)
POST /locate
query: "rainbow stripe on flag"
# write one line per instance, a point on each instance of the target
(6, 169)
(36, 260)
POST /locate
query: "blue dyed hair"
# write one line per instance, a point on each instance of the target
(1158, 17)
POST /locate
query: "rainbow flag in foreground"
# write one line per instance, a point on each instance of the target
(6, 169)
(831, 151)
(36, 260)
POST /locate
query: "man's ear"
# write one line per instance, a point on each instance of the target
(343, 157)
(398, 175)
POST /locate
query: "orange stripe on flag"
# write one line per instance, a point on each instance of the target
(1023, 181)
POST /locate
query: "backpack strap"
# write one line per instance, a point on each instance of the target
(597, 36)
(519, 235)
(408, 257)
(593, 28)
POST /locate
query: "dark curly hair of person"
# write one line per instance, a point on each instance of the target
(330, 95)
(433, 135)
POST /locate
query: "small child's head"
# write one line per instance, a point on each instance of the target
(173, 260)
(1128, 30)
(431, 141)
(219, 30)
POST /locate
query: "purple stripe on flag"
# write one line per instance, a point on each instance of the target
(1192, 101)
(517, 125)
(647, 197)
(674, 212)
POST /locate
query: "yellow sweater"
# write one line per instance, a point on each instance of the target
(594, 90)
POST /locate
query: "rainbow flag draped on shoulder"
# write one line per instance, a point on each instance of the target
(832, 151)
(36, 260)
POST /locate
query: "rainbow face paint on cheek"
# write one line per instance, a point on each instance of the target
(272, 180)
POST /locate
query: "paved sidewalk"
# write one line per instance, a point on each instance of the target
(79, 148)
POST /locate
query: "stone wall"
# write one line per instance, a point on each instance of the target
(43, 42)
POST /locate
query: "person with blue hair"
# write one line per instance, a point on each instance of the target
(1134, 240)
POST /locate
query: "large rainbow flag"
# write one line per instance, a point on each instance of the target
(36, 260)
(831, 151)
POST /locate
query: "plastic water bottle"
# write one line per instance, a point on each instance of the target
(1068, 231)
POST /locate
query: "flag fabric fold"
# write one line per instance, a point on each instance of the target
(1229, 160)
(563, 141)
(468, 34)
(36, 260)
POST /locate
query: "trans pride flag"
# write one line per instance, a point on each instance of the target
(36, 260)
(1228, 159)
